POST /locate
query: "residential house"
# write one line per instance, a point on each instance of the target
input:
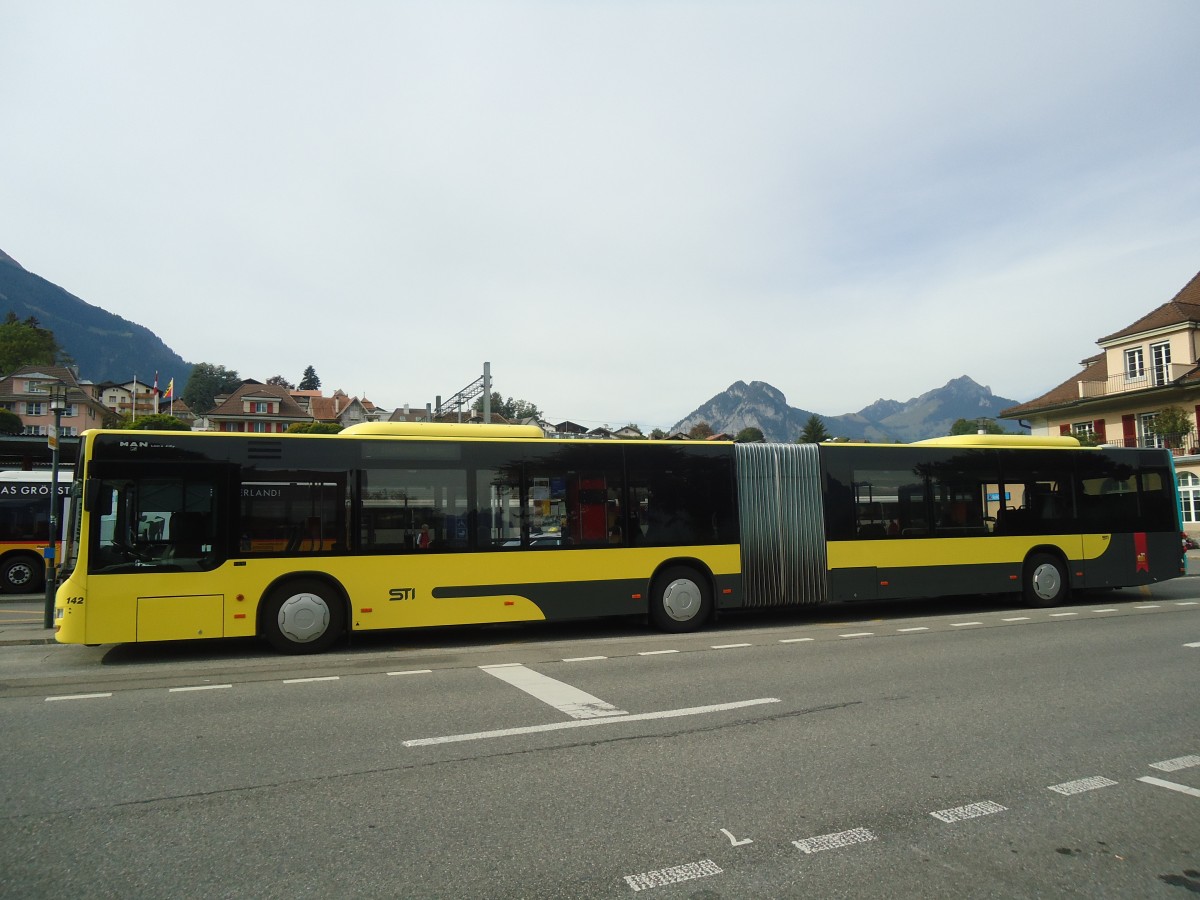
(1143, 369)
(257, 407)
(338, 409)
(131, 398)
(26, 393)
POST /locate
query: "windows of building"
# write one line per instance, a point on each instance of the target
(1135, 366)
(1189, 497)
(1160, 359)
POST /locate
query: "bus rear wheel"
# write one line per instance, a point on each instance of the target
(21, 575)
(1045, 580)
(303, 617)
(680, 600)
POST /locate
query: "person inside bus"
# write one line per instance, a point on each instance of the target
(424, 539)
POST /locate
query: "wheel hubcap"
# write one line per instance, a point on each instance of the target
(682, 599)
(303, 617)
(1046, 582)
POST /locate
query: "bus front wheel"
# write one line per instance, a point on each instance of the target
(1045, 580)
(303, 617)
(21, 575)
(681, 600)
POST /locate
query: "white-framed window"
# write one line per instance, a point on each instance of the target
(1146, 435)
(1084, 429)
(1160, 359)
(34, 408)
(1189, 497)
(260, 427)
(1135, 364)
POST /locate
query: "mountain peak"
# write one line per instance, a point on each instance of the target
(764, 406)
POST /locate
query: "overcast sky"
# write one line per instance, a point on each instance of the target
(623, 206)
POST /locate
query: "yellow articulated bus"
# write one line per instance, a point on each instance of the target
(302, 539)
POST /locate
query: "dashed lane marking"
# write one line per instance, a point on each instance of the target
(656, 652)
(729, 646)
(311, 680)
(198, 687)
(836, 840)
(911, 630)
(413, 672)
(583, 658)
(796, 640)
(970, 811)
(673, 875)
(1067, 788)
(1179, 762)
(79, 697)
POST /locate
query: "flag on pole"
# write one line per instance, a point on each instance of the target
(156, 392)
(170, 391)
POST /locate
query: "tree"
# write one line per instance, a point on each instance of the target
(206, 384)
(512, 408)
(282, 382)
(310, 381)
(26, 344)
(814, 431)
(10, 422)
(657, 434)
(973, 426)
(1173, 425)
(750, 435)
(701, 431)
(314, 428)
(155, 422)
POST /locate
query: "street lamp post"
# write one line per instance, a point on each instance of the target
(58, 404)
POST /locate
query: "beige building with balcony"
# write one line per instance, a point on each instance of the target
(1143, 369)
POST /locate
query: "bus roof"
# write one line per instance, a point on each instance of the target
(999, 440)
(443, 430)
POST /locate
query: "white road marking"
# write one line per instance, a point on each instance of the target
(656, 652)
(1062, 615)
(1172, 786)
(970, 811)
(834, 841)
(412, 672)
(963, 624)
(1083, 784)
(583, 658)
(1109, 609)
(1148, 606)
(1174, 765)
(795, 640)
(310, 680)
(858, 634)
(907, 630)
(566, 699)
(583, 723)
(734, 842)
(1016, 619)
(199, 687)
(78, 697)
(673, 875)
(1187, 603)
(1193, 645)
(729, 646)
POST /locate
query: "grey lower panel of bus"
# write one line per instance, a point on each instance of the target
(782, 526)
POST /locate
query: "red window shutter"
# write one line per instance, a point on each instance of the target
(1129, 430)
(1064, 430)
(1098, 428)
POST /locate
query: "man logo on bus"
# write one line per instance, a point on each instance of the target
(403, 593)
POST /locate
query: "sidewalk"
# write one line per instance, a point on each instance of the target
(21, 617)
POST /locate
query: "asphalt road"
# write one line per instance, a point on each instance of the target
(959, 749)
